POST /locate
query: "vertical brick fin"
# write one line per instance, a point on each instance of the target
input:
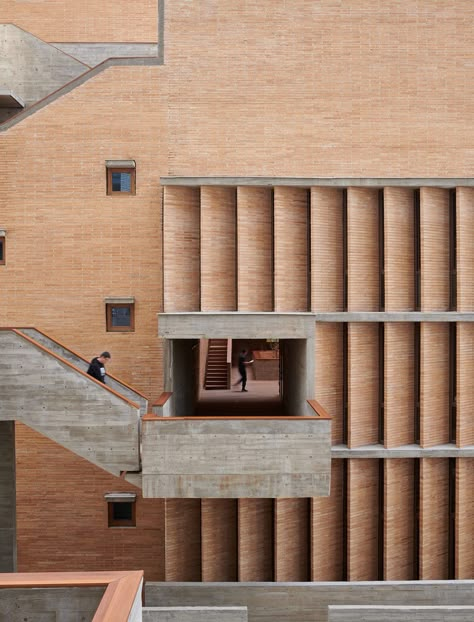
(464, 523)
(363, 249)
(399, 384)
(254, 249)
(327, 530)
(218, 249)
(362, 519)
(434, 222)
(291, 249)
(183, 540)
(329, 374)
(327, 264)
(399, 520)
(255, 539)
(434, 519)
(465, 384)
(434, 384)
(181, 249)
(292, 540)
(399, 249)
(219, 539)
(465, 248)
(363, 380)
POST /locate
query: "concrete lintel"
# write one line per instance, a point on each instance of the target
(404, 451)
(308, 182)
(394, 316)
(235, 325)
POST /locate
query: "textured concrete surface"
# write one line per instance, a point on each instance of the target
(195, 614)
(50, 604)
(32, 68)
(7, 497)
(94, 53)
(76, 360)
(69, 407)
(400, 614)
(309, 602)
(236, 458)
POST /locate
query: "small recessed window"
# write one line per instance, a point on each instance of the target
(121, 509)
(2, 250)
(121, 177)
(120, 317)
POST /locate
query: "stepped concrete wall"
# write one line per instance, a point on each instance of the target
(69, 407)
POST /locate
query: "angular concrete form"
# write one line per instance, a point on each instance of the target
(236, 457)
(56, 399)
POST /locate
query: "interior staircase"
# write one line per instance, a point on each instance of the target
(217, 372)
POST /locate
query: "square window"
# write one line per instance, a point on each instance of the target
(2, 250)
(120, 317)
(122, 514)
(120, 181)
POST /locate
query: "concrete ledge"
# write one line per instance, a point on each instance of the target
(195, 614)
(308, 182)
(403, 613)
(404, 451)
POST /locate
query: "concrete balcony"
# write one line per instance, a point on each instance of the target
(232, 457)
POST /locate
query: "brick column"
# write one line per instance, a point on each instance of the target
(7, 497)
(465, 248)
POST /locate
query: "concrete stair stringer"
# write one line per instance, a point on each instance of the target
(53, 397)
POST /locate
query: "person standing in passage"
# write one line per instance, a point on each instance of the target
(97, 366)
(242, 369)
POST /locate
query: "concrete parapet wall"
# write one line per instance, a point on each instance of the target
(231, 458)
(49, 604)
(195, 614)
(309, 602)
(400, 614)
(57, 400)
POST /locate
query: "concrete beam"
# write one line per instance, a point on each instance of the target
(308, 182)
(236, 457)
(195, 614)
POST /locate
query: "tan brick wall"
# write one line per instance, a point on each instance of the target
(326, 250)
(254, 92)
(434, 519)
(181, 249)
(434, 243)
(63, 21)
(218, 249)
(327, 530)
(434, 384)
(363, 380)
(465, 248)
(329, 374)
(62, 524)
(465, 384)
(399, 384)
(362, 519)
(219, 539)
(362, 249)
(69, 244)
(291, 249)
(254, 249)
(183, 540)
(398, 520)
(399, 262)
(291, 540)
(255, 536)
(464, 522)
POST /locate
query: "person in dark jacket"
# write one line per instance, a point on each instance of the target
(242, 370)
(97, 366)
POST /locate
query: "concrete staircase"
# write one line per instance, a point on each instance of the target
(50, 394)
(217, 369)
